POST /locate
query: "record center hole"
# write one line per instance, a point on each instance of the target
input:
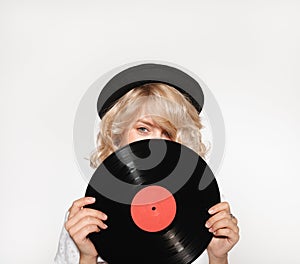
(153, 208)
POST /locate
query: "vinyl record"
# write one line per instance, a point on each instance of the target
(156, 208)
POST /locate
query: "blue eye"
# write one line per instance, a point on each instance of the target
(143, 129)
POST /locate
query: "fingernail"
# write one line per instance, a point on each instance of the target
(210, 230)
(104, 217)
(210, 211)
(207, 224)
(92, 199)
(105, 226)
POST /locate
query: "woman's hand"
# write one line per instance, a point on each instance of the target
(81, 222)
(224, 227)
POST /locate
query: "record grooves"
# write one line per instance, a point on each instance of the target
(162, 235)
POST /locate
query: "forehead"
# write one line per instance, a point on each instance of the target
(156, 109)
(152, 113)
(155, 106)
(146, 119)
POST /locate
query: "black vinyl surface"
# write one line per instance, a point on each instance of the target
(130, 169)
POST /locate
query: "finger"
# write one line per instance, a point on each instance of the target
(224, 223)
(219, 207)
(86, 221)
(234, 219)
(217, 217)
(84, 212)
(81, 235)
(226, 232)
(78, 204)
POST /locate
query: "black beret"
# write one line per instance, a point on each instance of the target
(141, 74)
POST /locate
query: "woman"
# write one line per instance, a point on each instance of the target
(153, 110)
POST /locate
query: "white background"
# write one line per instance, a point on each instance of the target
(247, 52)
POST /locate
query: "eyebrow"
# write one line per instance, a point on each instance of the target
(145, 122)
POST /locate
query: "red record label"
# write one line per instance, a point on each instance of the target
(153, 208)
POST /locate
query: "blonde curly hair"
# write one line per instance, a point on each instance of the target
(167, 107)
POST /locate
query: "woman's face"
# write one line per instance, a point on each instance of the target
(144, 128)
